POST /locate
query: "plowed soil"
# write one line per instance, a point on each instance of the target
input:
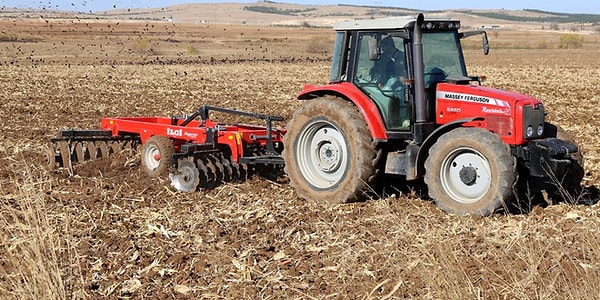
(109, 231)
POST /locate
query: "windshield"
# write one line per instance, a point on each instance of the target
(442, 54)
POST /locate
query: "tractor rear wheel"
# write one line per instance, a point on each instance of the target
(330, 155)
(470, 171)
(156, 156)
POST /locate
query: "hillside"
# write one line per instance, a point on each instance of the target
(279, 14)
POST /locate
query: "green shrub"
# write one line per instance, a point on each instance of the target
(570, 41)
(190, 50)
(141, 46)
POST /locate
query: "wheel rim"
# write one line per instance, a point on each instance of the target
(466, 175)
(152, 157)
(322, 154)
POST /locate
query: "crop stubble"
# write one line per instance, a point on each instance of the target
(117, 233)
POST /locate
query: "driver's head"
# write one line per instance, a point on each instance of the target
(387, 45)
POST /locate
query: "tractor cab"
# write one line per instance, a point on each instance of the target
(377, 57)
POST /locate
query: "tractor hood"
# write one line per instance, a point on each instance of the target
(461, 95)
(502, 112)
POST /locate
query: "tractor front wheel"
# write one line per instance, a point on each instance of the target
(470, 171)
(330, 155)
(156, 156)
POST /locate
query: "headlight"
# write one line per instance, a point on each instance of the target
(533, 121)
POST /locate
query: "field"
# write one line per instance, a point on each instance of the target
(111, 232)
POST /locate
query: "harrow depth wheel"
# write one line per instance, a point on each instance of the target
(156, 156)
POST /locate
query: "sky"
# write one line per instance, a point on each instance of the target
(572, 6)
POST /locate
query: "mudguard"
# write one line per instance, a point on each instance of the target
(348, 91)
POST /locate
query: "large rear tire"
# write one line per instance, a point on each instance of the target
(470, 171)
(330, 155)
(156, 156)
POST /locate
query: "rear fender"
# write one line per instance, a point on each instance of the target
(348, 91)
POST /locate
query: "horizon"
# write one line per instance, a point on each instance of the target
(91, 6)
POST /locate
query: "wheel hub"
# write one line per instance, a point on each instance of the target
(322, 154)
(152, 157)
(327, 150)
(328, 156)
(465, 175)
(468, 175)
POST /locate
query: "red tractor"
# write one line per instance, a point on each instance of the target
(399, 102)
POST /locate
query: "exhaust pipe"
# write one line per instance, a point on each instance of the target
(419, 72)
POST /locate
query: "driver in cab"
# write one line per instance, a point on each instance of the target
(389, 73)
(390, 70)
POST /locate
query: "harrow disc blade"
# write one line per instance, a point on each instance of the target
(79, 152)
(216, 164)
(116, 147)
(205, 179)
(188, 177)
(104, 149)
(92, 150)
(206, 166)
(227, 169)
(52, 158)
(65, 154)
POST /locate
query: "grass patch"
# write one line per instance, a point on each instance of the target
(30, 243)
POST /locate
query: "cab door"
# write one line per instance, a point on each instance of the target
(382, 77)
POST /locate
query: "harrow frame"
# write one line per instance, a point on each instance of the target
(224, 150)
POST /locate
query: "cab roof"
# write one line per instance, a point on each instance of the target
(383, 23)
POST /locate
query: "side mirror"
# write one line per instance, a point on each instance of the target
(484, 39)
(374, 49)
(486, 44)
